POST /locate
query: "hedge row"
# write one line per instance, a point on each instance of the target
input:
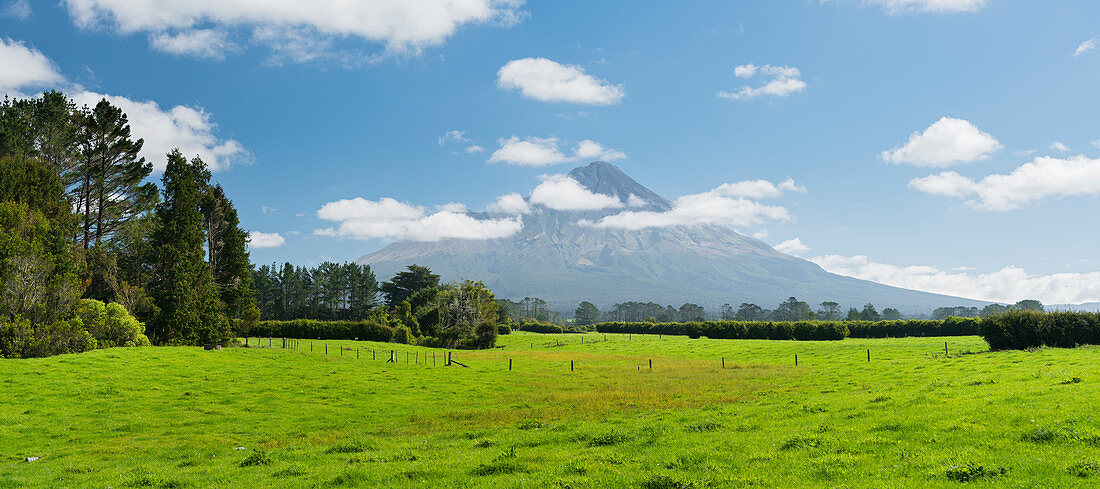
(539, 327)
(800, 330)
(952, 326)
(324, 330)
(736, 330)
(1021, 330)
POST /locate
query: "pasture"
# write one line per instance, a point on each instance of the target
(911, 416)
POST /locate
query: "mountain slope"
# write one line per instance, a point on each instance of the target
(563, 262)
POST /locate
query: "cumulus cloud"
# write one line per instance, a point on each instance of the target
(729, 204)
(1041, 178)
(258, 240)
(511, 204)
(401, 26)
(25, 68)
(191, 129)
(1008, 285)
(563, 193)
(535, 151)
(1085, 47)
(1058, 146)
(933, 6)
(761, 234)
(390, 219)
(18, 9)
(792, 246)
(782, 81)
(200, 43)
(474, 149)
(547, 81)
(946, 142)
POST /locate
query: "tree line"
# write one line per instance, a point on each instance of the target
(80, 221)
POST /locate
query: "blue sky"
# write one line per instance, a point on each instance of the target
(302, 106)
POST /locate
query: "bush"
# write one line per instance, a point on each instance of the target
(539, 327)
(503, 329)
(110, 324)
(20, 339)
(1020, 330)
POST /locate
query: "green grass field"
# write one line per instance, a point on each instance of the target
(269, 417)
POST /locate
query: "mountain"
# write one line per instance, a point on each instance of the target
(563, 262)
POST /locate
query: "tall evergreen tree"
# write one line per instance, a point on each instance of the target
(228, 254)
(406, 283)
(586, 313)
(183, 285)
(110, 191)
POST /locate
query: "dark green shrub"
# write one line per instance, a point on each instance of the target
(539, 327)
(110, 324)
(368, 330)
(503, 329)
(20, 339)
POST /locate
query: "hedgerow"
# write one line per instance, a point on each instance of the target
(800, 330)
(366, 330)
(1020, 330)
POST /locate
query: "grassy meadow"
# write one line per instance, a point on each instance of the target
(268, 417)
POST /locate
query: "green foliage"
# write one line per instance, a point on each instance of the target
(586, 313)
(467, 316)
(376, 329)
(539, 327)
(800, 330)
(407, 283)
(110, 324)
(19, 338)
(182, 285)
(1029, 328)
(329, 291)
(38, 278)
(503, 329)
(227, 248)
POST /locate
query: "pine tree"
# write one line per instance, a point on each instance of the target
(228, 254)
(183, 285)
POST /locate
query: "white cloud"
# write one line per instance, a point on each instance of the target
(1095, 143)
(402, 26)
(563, 193)
(258, 240)
(784, 81)
(1041, 178)
(191, 129)
(729, 204)
(635, 201)
(761, 234)
(392, 220)
(1058, 146)
(547, 81)
(24, 68)
(18, 9)
(453, 137)
(759, 189)
(511, 204)
(529, 152)
(1085, 47)
(591, 150)
(946, 142)
(792, 246)
(200, 43)
(535, 151)
(474, 149)
(268, 210)
(1007, 285)
(934, 6)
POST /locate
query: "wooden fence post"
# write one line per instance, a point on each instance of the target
(945, 349)
(391, 360)
(723, 362)
(509, 364)
(795, 359)
(570, 365)
(868, 354)
(651, 364)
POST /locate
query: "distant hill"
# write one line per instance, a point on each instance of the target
(1085, 307)
(558, 260)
